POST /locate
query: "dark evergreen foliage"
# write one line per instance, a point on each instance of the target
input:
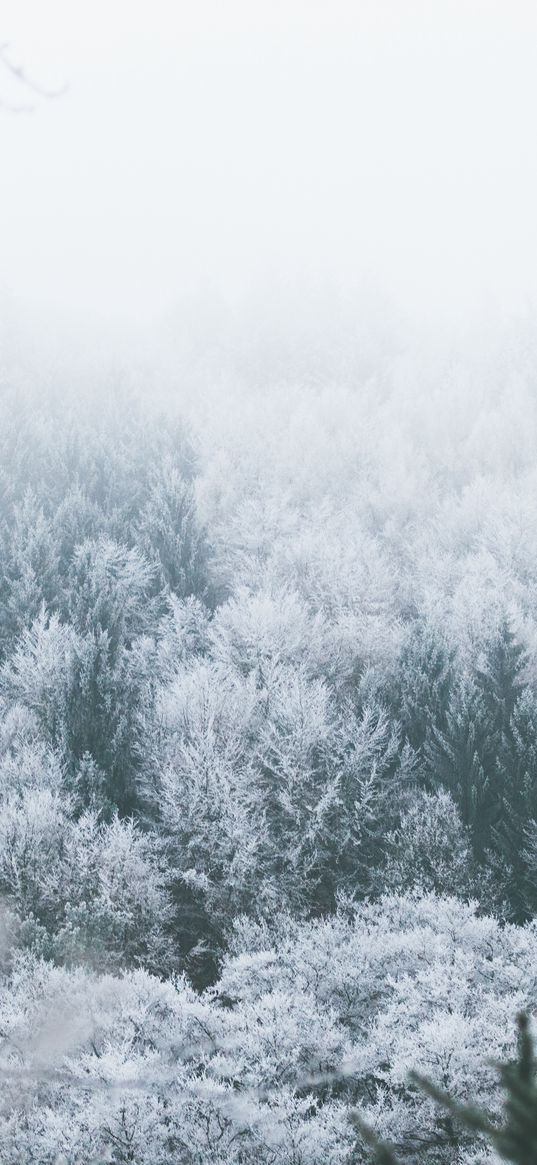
(468, 755)
(426, 675)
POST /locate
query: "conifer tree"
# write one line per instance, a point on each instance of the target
(466, 756)
(426, 674)
(514, 834)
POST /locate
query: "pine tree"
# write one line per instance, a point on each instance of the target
(424, 682)
(515, 833)
(466, 756)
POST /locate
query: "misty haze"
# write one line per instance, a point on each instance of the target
(268, 582)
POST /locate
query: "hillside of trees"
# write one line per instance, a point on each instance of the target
(268, 767)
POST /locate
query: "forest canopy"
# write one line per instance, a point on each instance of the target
(268, 768)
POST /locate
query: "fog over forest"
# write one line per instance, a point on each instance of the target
(268, 581)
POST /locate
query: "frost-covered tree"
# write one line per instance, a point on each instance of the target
(424, 684)
(430, 849)
(171, 533)
(208, 804)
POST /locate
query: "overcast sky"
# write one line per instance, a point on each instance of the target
(245, 149)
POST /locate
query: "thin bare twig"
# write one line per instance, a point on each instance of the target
(25, 82)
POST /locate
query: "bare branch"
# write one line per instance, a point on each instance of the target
(24, 81)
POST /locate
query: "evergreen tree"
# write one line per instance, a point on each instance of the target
(426, 673)
(514, 833)
(171, 534)
(466, 756)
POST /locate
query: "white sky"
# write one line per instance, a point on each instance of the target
(257, 148)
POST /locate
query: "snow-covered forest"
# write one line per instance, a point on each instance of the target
(268, 582)
(268, 765)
